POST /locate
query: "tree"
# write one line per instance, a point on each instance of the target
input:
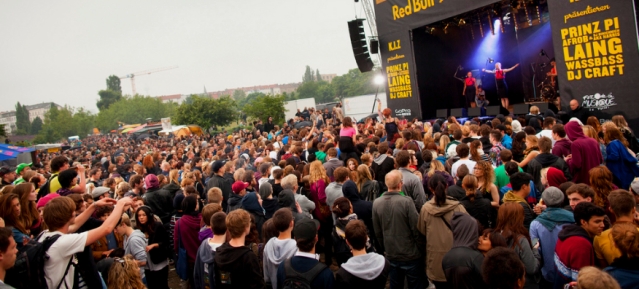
(3, 132)
(207, 112)
(133, 109)
(60, 123)
(308, 75)
(318, 76)
(239, 95)
(266, 105)
(36, 125)
(113, 84)
(23, 124)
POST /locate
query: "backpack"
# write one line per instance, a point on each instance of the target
(44, 189)
(297, 280)
(28, 271)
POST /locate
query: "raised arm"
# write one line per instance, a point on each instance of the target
(488, 71)
(510, 69)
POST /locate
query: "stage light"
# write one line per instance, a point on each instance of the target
(538, 15)
(379, 79)
(501, 25)
(461, 22)
(490, 60)
(446, 28)
(430, 30)
(490, 23)
(481, 28)
(542, 53)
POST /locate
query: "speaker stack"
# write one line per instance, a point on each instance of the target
(360, 47)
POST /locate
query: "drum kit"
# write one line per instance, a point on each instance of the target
(547, 90)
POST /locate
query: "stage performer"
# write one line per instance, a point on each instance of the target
(470, 89)
(500, 80)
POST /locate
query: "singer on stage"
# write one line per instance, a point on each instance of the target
(470, 89)
(500, 80)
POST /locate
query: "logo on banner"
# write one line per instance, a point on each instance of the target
(598, 101)
(379, 1)
(402, 112)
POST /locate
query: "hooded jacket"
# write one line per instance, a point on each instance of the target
(585, 153)
(529, 214)
(251, 205)
(161, 203)
(275, 252)
(219, 182)
(363, 209)
(135, 244)
(561, 148)
(439, 238)
(625, 270)
(462, 264)
(546, 228)
(621, 163)
(544, 160)
(364, 271)
(234, 202)
(395, 226)
(480, 209)
(573, 251)
(187, 231)
(240, 265)
(382, 165)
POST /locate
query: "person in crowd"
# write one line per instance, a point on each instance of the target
(134, 243)
(624, 268)
(601, 184)
(457, 191)
(334, 189)
(157, 265)
(623, 126)
(236, 266)
(217, 181)
(593, 278)
(503, 269)
(489, 239)
(463, 151)
(622, 203)
(290, 183)
(269, 203)
(8, 176)
(280, 248)
(160, 201)
(214, 196)
(343, 211)
(561, 145)
(485, 182)
(58, 165)
(187, 231)
(579, 112)
(477, 151)
(11, 212)
(545, 228)
(520, 183)
(501, 177)
(434, 223)
(519, 146)
(395, 221)
(546, 160)
(363, 209)
(369, 189)
(332, 162)
(497, 147)
(451, 148)
(305, 262)
(476, 206)
(585, 153)
(436, 168)
(574, 248)
(252, 203)
(412, 186)
(619, 160)
(8, 254)
(239, 191)
(204, 270)
(59, 215)
(462, 264)
(207, 212)
(382, 163)
(103, 247)
(363, 270)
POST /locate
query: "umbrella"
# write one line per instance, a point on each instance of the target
(302, 124)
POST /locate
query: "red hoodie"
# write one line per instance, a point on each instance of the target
(188, 228)
(585, 153)
(573, 251)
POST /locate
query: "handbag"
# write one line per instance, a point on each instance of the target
(181, 266)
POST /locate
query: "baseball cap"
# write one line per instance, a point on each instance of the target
(634, 186)
(306, 229)
(552, 197)
(239, 186)
(21, 167)
(5, 170)
(217, 165)
(99, 191)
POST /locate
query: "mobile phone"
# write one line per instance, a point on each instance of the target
(535, 241)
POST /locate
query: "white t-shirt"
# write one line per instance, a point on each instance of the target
(59, 255)
(547, 133)
(469, 163)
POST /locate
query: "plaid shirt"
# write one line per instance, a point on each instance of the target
(494, 154)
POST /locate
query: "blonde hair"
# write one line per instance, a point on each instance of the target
(125, 274)
(592, 278)
(443, 143)
(237, 176)
(121, 189)
(173, 176)
(469, 183)
(590, 131)
(317, 172)
(626, 239)
(187, 180)
(363, 175)
(435, 166)
(532, 139)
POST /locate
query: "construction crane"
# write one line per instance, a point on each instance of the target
(132, 76)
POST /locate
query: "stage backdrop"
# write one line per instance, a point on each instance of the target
(595, 44)
(395, 21)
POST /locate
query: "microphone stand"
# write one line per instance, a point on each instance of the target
(532, 66)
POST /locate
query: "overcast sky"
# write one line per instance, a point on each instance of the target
(63, 51)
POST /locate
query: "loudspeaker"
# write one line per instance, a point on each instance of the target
(360, 47)
(522, 108)
(374, 46)
(492, 110)
(442, 113)
(474, 111)
(456, 112)
(543, 106)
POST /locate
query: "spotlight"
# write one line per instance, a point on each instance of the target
(542, 53)
(379, 79)
(446, 28)
(462, 22)
(430, 30)
(490, 60)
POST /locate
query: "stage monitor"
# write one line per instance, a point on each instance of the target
(474, 111)
(543, 106)
(456, 112)
(492, 110)
(522, 108)
(442, 113)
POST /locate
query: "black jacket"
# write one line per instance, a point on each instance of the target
(161, 203)
(219, 182)
(240, 265)
(581, 113)
(346, 280)
(382, 166)
(456, 191)
(462, 266)
(545, 160)
(480, 209)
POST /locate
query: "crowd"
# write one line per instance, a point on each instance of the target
(324, 202)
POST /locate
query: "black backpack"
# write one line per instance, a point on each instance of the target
(28, 271)
(297, 280)
(44, 189)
